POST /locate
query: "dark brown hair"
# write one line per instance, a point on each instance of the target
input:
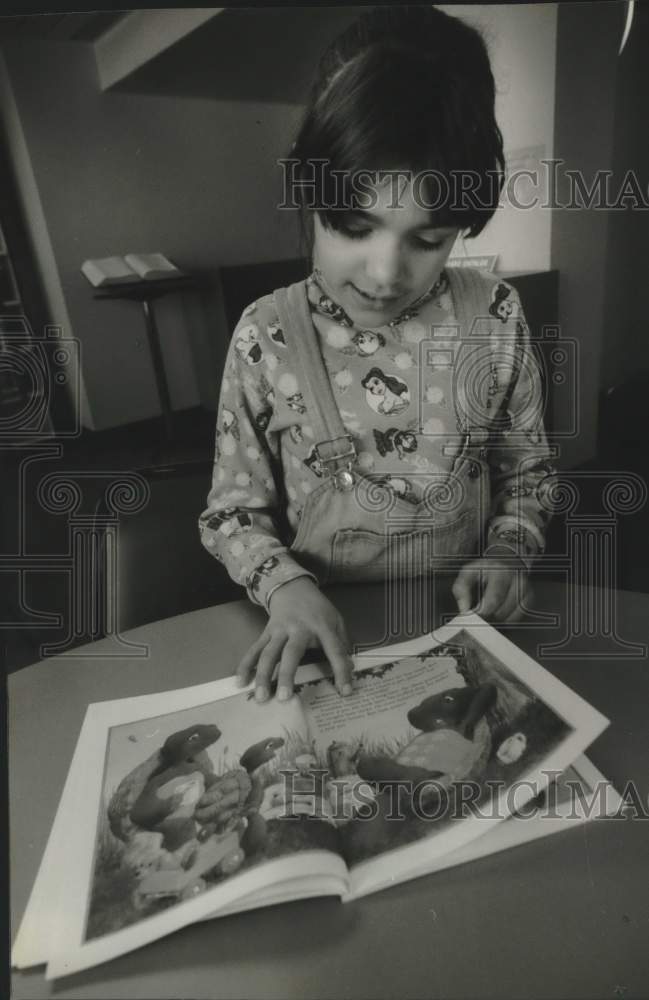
(404, 87)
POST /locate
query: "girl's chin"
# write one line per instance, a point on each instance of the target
(374, 312)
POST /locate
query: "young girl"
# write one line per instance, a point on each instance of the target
(383, 417)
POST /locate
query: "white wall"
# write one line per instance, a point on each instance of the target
(521, 39)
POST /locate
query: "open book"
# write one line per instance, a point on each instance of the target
(129, 268)
(197, 803)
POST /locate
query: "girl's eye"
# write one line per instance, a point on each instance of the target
(355, 232)
(427, 245)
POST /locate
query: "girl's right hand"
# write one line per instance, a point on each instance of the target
(300, 617)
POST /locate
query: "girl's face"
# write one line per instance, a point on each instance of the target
(385, 256)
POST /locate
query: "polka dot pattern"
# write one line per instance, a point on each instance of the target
(400, 403)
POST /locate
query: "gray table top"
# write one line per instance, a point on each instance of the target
(567, 916)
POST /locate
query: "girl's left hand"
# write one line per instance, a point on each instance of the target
(500, 587)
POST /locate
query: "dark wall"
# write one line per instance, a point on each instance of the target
(625, 343)
(588, 38)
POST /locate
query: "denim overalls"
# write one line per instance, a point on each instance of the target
(353, 528)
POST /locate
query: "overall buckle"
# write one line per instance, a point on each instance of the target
(343, 477)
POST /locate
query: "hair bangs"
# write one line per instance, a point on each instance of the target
(418, 98)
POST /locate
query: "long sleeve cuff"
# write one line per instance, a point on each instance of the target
(520, 536)
(271, 574)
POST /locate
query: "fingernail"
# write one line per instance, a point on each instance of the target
(261, 694)
(283, 694)
(347, 689)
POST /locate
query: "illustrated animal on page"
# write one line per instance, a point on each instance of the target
(302, 792)
(181, 821)
(453, 744)
(167, 819)
(349, 793)
(237, 796)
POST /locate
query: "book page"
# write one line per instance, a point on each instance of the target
(211, 812)
(576, 796)
(175, 815)
(152, 265)
(526, 727)
(579, 794)
(353, 736)
(463, 715)
(108, 271)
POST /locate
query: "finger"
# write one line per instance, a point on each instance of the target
(515, 615)
(341, 630)
(463, 587)
(509, 604)
(291, 655)
(268, 659)
(495, 592)
(514, 606)
(529, 596)
(249, 660)
(339, 659)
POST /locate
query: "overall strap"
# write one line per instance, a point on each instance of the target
(471, 300)
(470, 297)
(335, 447)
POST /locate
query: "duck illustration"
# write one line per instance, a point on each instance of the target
(168, 799)
(238, 795)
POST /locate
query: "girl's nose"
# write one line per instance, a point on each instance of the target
(384, 266)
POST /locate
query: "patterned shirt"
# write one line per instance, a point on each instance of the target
(403, 419)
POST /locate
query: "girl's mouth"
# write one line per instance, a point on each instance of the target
(375, 302)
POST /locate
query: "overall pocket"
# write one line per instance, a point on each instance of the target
(311, 545)
(359, 554)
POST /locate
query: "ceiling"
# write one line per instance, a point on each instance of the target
(80, 26)
(260, 53)
(240, 54)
